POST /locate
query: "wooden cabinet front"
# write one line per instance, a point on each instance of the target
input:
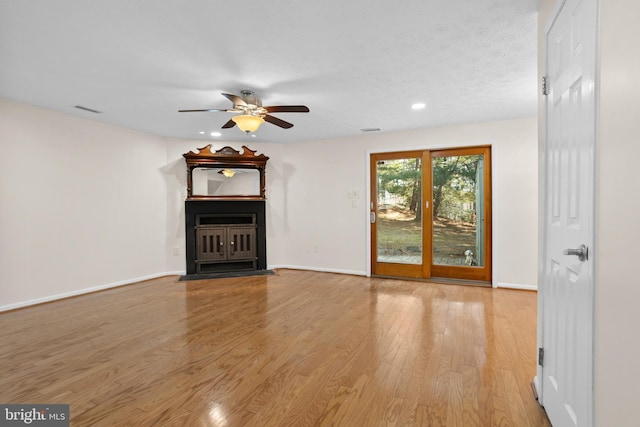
(226, 247)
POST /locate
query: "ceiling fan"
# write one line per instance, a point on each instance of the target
(251, 113)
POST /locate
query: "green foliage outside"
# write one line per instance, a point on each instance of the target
(454, 198)
(402, 179)
(454, 187)
(454, 183)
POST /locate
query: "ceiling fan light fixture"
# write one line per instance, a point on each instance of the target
(248, 123)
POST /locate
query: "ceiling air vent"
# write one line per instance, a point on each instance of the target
(80, 107)
(367, 130)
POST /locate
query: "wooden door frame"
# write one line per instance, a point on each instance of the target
(470, 273)
(425, 270)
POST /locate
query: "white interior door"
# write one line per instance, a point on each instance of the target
(567, 278)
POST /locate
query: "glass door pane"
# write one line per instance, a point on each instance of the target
(399, 213)
(458, 210)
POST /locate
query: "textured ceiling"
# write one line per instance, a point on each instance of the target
(356, 64)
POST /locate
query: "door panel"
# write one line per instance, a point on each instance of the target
(396, 214)
(211, 243)
(242, 242)
(567, 281)
(461, 214)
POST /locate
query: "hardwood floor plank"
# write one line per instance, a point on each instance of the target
(470, 399)
(296, 348)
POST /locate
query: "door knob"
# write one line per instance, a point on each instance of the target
(582, 252)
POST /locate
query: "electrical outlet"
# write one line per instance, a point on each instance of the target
(176, 251)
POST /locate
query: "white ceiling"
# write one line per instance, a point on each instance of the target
(355, 63)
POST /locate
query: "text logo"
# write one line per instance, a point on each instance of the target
(34, 415)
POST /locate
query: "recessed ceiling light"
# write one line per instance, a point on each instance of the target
(253, 136)
(216, 134)
(202, 132)
(418, 106)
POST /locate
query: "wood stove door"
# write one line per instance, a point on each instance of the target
(211, 243)
(242, 242)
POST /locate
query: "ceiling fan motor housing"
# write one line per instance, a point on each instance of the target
(250, 98)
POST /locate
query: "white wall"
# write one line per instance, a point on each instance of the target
(321, 228)
(617, 371)
(324, 230)
(82, 205)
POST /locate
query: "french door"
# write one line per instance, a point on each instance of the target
(431, 214)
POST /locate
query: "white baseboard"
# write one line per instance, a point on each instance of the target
(516, 286)
(320, 269)
(173, 273)
(50, 298)
(536, 386)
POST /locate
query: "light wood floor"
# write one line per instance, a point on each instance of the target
(294, 349)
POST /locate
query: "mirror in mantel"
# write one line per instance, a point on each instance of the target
(209, 181)
(225, 174)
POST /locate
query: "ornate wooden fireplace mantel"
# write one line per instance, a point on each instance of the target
(225, 211)
(224, 159)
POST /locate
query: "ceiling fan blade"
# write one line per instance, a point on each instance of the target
(276, 121)
(197, 111)
(235, 99)
(287, 109)
(229, 124)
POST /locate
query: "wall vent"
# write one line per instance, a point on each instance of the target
(366, 130)
(80, 107)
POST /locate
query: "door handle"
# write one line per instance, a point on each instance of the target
(582, 252)
(372, 217)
